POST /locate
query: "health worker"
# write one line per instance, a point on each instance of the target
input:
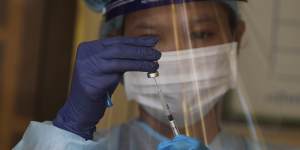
(193, 44)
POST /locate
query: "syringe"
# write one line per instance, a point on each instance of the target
(169, 115)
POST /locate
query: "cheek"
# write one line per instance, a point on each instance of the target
(216, 40)
(166, 44)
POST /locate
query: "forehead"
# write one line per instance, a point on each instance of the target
(192, 11)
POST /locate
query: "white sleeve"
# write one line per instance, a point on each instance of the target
(45, 136)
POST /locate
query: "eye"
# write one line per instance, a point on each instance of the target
(202, 35)
(143, 35)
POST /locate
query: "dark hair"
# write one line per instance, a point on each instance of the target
(232, 16)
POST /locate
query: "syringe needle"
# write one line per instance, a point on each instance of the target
(168, 111)
(164, 103)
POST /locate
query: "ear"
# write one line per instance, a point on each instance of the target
(239, 32)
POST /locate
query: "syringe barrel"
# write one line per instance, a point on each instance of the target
(173, 127)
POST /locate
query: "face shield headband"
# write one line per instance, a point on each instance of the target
(116, 8)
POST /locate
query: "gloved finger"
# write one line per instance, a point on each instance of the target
(130, 52)
(149, 41)
(121, 66)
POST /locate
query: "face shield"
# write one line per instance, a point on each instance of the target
(198, 64)
(199, 41)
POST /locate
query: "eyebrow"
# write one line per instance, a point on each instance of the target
(144, 25)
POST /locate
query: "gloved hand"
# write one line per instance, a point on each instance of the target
(99, 68)
(182, 142)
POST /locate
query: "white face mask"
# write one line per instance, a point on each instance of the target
(192, 81)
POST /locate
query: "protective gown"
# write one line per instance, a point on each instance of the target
(134, 135)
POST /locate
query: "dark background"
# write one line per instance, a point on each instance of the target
(36, 39)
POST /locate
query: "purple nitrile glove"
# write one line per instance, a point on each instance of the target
(182, 142)
(99, 68)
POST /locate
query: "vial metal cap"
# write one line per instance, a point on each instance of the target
(152, 74)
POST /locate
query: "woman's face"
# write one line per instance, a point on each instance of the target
(182, 26)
